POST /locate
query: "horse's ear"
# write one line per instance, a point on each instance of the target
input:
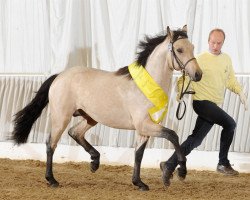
(184, 28)
(169, 33)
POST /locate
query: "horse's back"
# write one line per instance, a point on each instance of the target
(75, 79)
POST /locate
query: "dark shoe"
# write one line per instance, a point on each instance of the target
(227, 170)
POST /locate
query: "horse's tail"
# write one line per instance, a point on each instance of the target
(26, 117)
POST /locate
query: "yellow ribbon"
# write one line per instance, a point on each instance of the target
(154, 93)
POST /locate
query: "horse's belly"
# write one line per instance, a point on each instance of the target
(105, 107)
(111, 116)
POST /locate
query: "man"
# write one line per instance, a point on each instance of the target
(218, 74)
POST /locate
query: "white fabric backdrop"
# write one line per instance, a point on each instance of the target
(24, 36)
(42, 37)
(104, 34)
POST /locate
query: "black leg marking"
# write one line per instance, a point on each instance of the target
(173, 137)
(182, 171)
(166, 174)
(136, 180)
(95, 155)
(49, 172)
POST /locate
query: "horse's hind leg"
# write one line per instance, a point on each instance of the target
(136, 179)
(58, 126)
(49, 165)
(77, 132)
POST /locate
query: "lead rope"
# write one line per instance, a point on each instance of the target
(181, 96)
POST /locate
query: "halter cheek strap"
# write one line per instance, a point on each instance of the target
(175, 57)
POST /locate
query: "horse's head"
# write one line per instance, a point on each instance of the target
(181, 53)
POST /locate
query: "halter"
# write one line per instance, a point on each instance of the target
(182, 66)
(174, 56)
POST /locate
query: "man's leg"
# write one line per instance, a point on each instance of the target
(213, 113)
(226, 139)
(202, 127)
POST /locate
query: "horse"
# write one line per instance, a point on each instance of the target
(85, 92)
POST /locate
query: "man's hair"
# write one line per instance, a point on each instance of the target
(217, 30)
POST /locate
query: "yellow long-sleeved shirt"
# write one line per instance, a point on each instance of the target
(218, 74)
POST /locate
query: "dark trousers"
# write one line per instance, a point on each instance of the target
(208, 115)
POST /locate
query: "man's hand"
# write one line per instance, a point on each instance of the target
(243, 100)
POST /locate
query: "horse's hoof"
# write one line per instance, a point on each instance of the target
(144, 188)
(166, 174)
(53, 184)
(181, 173)
(141, 186)
(94, 166)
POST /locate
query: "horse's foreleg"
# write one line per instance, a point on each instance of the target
(77, 132)
(182, 171)
(136, 179)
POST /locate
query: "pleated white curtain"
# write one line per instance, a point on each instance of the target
(18, 91)
(42, 37)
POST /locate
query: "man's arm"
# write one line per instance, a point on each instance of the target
(234, 86)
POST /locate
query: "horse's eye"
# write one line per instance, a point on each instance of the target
(179, 50)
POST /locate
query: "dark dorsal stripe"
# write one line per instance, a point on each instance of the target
(147, 46)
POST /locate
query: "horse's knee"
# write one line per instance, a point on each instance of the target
(170, 135)
(174, 137)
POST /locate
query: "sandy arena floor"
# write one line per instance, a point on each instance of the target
(25, 180)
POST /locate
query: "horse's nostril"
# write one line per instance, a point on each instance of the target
(198, 76)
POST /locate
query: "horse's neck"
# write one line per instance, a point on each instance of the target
(157, 67)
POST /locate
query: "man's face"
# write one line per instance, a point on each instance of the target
(215, 42)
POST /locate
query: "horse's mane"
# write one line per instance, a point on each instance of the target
(147, 46)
